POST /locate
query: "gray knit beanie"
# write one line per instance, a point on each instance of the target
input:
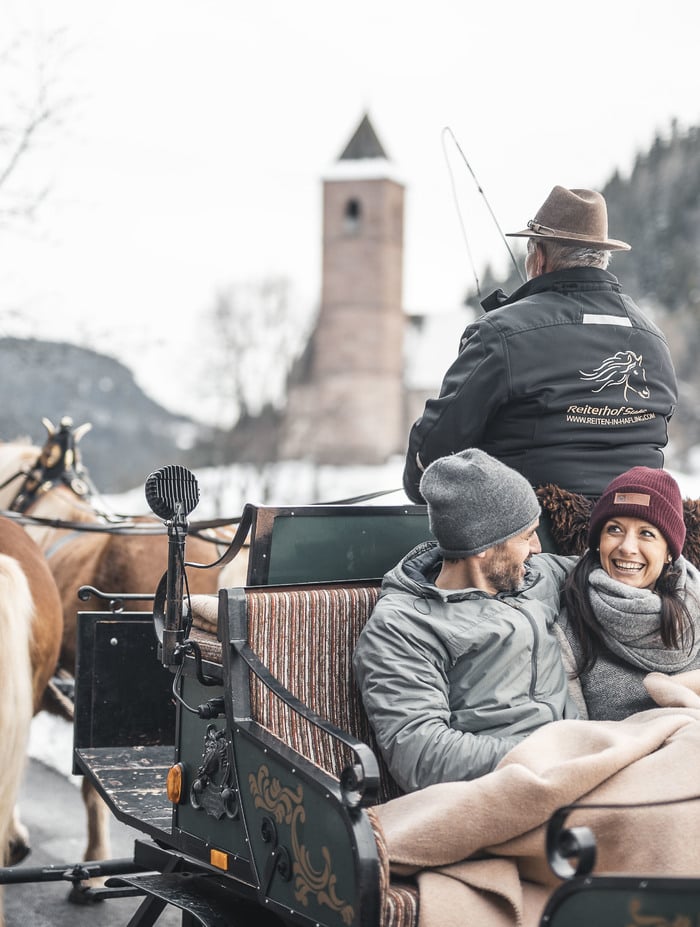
(475, 502)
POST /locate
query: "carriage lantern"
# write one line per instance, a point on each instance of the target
(172, 493)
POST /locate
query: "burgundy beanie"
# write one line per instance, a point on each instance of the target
(642, 493)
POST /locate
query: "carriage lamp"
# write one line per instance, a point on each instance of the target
(173, 783)
(172, 493)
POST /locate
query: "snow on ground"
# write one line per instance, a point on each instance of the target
(51, 742)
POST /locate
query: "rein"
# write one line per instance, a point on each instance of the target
(126, 527)
(137, 529)
(130, 526)
(59, 465)
(14, 476)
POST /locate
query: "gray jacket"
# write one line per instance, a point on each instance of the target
(452, 680)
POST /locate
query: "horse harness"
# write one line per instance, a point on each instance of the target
(58, 464)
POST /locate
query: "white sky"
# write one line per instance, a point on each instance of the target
(192, 154)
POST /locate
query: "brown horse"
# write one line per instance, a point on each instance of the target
(31, 622)
(50, 483)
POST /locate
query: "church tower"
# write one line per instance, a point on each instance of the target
(347, 407)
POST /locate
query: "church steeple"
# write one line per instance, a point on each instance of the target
(349, 409)
(363, 144)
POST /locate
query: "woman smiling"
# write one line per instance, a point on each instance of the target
(631, 606)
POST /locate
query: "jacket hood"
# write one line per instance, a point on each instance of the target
(417, 572)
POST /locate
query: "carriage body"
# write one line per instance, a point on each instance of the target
(267, 738)
(249, 766)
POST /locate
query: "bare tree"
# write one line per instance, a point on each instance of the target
(254, 341)
(30, 110)
(255, 346)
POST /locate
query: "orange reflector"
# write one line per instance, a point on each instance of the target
(219, 859)
(174, 783)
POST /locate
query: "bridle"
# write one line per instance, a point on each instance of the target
(58, 464)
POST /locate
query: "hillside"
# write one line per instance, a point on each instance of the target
(657, 210)
(131, 435)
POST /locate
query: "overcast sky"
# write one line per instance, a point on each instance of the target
(192, 152)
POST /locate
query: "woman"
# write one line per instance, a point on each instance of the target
(631, 606)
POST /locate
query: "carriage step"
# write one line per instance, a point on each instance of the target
(188, 892)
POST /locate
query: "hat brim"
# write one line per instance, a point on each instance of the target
(609, 244)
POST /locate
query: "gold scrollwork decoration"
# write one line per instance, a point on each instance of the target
(286, 805)
(653, 920)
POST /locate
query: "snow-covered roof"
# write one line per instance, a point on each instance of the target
(432, 344)
(363, 158)
(365, 169)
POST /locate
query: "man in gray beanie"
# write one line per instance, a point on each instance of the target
(459, 662)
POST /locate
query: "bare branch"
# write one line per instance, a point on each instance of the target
(250, 325)
(29, 117)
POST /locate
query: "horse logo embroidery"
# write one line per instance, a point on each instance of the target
(622, 369)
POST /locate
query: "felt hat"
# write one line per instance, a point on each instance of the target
(573, 217)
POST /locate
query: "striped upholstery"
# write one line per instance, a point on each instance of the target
(306, 637)
(400, 897)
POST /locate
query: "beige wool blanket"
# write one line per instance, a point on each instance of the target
(477, 848)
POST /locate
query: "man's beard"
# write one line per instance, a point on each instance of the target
(503, 573)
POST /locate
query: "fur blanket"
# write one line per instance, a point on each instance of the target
(477, 848)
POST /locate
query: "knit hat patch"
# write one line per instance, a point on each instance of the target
(646, 493)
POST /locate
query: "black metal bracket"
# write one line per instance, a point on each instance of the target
(74, 872)
(115, 601)
(566, 843)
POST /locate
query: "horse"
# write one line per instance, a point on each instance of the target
(51, 483)
(31, 622)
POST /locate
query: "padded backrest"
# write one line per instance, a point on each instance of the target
(331, 543)
(306, 637)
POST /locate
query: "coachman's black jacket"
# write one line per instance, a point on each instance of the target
(566, 381)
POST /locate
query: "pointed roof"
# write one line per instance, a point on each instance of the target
(364, 158)
(363, 144)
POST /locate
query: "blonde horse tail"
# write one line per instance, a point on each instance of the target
(16, 701)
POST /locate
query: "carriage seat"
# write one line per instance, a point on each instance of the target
(305, 636)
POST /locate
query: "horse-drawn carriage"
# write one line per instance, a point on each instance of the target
(243, 755)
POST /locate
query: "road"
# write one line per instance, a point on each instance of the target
(52, 809)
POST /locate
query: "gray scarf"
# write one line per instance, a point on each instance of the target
(630, 619)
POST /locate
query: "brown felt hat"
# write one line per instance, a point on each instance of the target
(575, 217)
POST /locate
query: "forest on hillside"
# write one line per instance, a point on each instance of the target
(657, 210)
